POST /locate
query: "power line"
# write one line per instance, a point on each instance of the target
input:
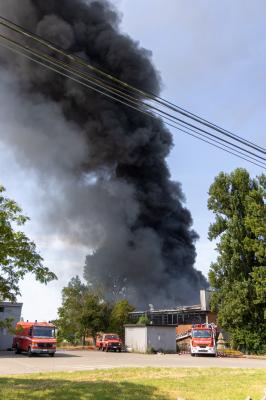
(158, 112)
(127, 104)
(56, 62)
(147, 113)
(73, 58)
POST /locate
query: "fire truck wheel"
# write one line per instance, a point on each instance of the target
(17, 351)
(29, 352)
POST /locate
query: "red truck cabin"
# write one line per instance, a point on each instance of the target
(109, 341)
(35, 338)
(203, 339)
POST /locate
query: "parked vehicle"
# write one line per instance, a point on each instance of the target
(109, 341)
(35, 338)
(99, 342)
(203, 339)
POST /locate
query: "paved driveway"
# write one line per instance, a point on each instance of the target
(11, 363)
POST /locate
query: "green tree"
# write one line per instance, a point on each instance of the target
(18, 255)
(83, 313)
(143, 320)
(119, 316)
(239, 274)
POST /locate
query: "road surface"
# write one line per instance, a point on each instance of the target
(11, 363)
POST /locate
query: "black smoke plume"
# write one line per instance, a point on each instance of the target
(103, 164)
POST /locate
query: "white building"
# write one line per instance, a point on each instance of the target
(145, 338)
(8, 310)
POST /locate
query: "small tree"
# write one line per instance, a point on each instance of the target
(143, 320)
(68, 323)
(119, 316)
(18, 255)
(239, 274)
(82, 313)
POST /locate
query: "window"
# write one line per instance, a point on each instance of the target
(2, 309)
(202, 333)
(43, 331)
(108, 337)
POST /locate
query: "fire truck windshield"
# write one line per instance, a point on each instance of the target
(202, 333)
(43, 331)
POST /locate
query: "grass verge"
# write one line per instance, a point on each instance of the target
(137, 384)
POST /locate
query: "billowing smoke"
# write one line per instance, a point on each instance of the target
(102, 165)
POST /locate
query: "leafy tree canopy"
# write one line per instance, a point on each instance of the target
(119, 316)
(83, 313)
(239, 274)
(18, 254)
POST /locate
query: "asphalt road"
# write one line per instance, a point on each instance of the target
(11, 363)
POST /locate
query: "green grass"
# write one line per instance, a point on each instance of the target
(137, 384)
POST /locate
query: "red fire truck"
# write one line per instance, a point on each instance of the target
(203, 339)
(35, 338)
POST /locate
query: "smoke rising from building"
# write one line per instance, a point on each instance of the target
(102, 164)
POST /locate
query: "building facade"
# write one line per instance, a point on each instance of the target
(145, 338)
(8, 310)
(184, 316)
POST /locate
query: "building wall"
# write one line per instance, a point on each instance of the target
(8, 310)
(172, 318)
(143, 338)
(161, 338)
(136, 338)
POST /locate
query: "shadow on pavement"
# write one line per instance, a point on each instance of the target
(12, 354)
(59, 389)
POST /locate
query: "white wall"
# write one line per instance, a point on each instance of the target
(143, 338)
(8, 310)
(136, 338)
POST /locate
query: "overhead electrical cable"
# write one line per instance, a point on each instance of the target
(138, 104)
(73, 58)
(146, 106)
(148, 113)
(136, 108)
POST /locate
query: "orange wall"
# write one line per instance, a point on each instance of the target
(182, 328)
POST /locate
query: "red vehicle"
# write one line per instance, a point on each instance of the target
(203, 339)
(109, 341)
(35, 338)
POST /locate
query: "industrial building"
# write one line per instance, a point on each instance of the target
(8, 310)
(182, 317)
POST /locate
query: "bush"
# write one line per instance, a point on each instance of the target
(143, 320)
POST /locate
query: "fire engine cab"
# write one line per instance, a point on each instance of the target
(203, 339)
(35, 338)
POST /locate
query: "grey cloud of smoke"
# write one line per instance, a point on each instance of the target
(103, 165)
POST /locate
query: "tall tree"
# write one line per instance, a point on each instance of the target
(83, 313)
(239, 274)
(18, 255)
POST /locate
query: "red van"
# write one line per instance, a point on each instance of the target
(35, 338)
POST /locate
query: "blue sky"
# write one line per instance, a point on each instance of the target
(211, 56)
